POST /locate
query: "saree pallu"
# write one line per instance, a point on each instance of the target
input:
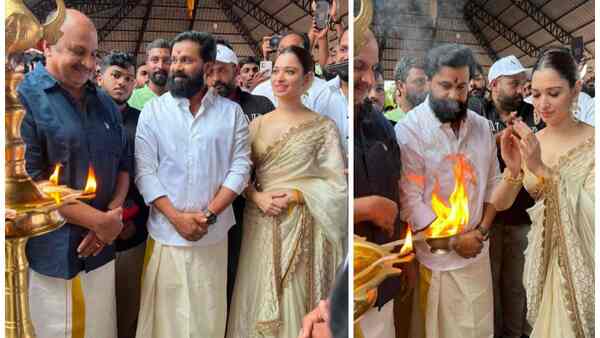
(559, 261)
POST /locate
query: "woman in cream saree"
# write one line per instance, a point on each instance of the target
(559, 173)
(290, 251)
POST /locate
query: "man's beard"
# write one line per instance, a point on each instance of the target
(448, 110)
(224, 89)
(373, 104)
(415, 98)
(508, 103)
(478, 92)
(159, 78)
(187, 86)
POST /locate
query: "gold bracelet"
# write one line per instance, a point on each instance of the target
(510, 180)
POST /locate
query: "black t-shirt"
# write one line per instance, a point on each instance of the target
(130, 120)
(377, 172)
(254, 105)
(517, 213)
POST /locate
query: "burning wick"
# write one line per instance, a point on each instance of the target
(90, 184)
(408, 246)
(54, 176)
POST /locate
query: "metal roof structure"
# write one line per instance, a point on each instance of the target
(128, 25)
(491, 28)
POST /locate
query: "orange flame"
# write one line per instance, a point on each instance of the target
(54, 176)
(90, 184)
(408, 244)
(451, 220)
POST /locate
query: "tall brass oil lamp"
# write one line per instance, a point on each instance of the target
(31, 209)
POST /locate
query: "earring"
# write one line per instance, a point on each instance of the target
(575, 109)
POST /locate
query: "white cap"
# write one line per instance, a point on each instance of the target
(506, 66)
(226, 55)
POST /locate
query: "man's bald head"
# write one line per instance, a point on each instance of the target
(72, 60)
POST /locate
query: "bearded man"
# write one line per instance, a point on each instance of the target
(438, 135)
(193, 159)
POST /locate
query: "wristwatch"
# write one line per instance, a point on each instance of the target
(485, 232)
(211, 217)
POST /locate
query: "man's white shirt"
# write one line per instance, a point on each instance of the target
(425, 144)
(332, 103)
(189, 158)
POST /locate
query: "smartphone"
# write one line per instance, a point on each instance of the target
(266, 67)
(274, 41)
(322, 14)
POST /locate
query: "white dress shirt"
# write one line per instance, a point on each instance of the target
(332, 103)
(425, 144)
(585, 109)
(189, 158)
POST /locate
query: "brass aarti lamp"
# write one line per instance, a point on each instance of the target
(31, 209)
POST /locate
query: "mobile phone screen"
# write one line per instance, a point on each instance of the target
(266, 66)
(322, 14)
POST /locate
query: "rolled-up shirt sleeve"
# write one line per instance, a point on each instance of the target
(146, 158)
(239, 171)
(413, 208)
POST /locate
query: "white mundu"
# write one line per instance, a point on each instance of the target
(84, 306)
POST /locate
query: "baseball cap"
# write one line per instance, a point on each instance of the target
(226, 55)
(506, 66)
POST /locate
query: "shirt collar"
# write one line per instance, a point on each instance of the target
(335, 83)
(425, 110)
(47, 81)
(433, 121)
(208, 99)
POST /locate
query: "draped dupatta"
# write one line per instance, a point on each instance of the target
(561, 247)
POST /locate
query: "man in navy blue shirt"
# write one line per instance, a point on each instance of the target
(71, 122)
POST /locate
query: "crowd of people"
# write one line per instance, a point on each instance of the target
(221, 206)
(522, 142)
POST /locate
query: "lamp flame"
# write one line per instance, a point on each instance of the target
(408, 244)
(452, 219)
(90, 184)
(55, 174)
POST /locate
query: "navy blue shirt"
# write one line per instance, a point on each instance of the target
(130, 117)
(58, 130)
